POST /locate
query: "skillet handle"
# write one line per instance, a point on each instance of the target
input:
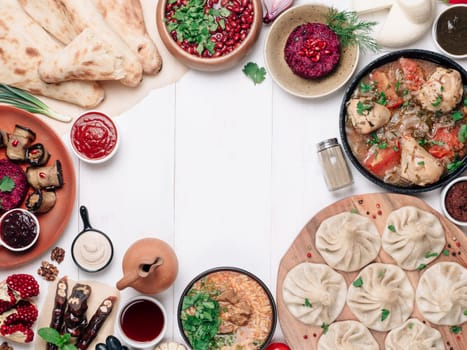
(85, 217)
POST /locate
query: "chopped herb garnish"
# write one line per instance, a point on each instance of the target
(465, 312)
(441, 88)
(398, 85)
(421, 163)
(430, 255)
(405, 92)
(6, 184)
(395, 148)
(455, 329)
(358, 282)
(307, 303)
(254, 72)
(421, 267)
(383, 145)
(462, 133)
(374, 140)
(391, 228)
(362, 108)
(437, 102)
(325, 327)
(410, 325)
(384, 314)
(438, 143)
(405, 104)
(454, 165)
(353, 211)
(382, 99)
(465, 102)
(381, 274)
(457, 115)
(446, 252)
(365, 87)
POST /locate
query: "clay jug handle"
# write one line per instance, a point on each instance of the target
(143, 271)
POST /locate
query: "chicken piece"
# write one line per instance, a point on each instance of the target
(226, 328)
(367, 116)
(229, 296)
(240, 313)
(417, 165)
(442, 91)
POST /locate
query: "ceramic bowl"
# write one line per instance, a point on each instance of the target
(35, 222)
(434, 32)
(94, 137)
(223, 62)
(393, 56)
(136, 310)
(241, 275)
(281, 72)
(444, 192)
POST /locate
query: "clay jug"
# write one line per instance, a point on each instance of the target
(149, 265)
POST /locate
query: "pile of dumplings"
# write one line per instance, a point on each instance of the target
(381, 296)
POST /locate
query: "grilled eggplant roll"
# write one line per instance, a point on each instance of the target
(96, 322)
(58, 313)
(40, 202)
(37, 155)
(49, 177)
(18, 142)
(75, 315)
(3, 138)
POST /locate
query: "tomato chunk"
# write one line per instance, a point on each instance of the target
(445, 143)
(381, 160)
(383, 84)
(414, 77)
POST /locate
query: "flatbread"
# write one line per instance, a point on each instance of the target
(90, 56)
(126, 18)
(23, 44)
(99, 292)
(52, 17)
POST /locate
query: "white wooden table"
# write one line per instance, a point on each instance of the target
(223, 170)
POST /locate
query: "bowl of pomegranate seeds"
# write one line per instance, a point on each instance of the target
(209, 35)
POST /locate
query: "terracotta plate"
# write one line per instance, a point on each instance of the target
(376, 207)
(280, 71)
(54, 222)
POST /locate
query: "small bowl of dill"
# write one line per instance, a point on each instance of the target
(353, 35)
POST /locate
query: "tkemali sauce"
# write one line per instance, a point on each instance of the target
(142, 320)
(94, 135)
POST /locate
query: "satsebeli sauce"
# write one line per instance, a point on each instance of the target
(92, 250)
(94, 135)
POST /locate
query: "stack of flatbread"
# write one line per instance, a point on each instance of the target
(64, 48)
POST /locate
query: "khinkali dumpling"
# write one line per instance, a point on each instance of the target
(347, 335)
(314, 293)
(348, 241)
(381, 297)
(414, 335)
(413, 237)
(442, 294)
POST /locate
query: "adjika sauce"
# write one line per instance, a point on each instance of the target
(451, 30)
(456, 201)
(94, 136)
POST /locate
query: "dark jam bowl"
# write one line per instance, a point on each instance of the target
(19, 230)
(393, 56)
(449, 32)
(239, 271)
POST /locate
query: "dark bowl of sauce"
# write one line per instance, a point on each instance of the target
(94, 137)
(142, 322)
(450, 31)
(454, 201)
(19, 230)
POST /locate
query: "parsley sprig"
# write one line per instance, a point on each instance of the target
(6, 184)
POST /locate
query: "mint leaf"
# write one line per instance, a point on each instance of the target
(358, 282)
(50, 335)
(69, 346)
(254, 72)
(6, 184)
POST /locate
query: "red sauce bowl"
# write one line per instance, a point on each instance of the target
(94, 137)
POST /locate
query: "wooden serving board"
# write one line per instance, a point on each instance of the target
(377, 207)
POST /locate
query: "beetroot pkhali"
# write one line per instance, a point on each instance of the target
(10, 199)
(312, 50)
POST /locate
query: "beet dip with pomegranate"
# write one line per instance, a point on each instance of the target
(94, 135)
(456, 201)
(211, 28)
(312, 50)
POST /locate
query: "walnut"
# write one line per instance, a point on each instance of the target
(48, 271)
(5, 346)
(57, 254)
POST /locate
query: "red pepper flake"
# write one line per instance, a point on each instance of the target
(458, 244)
(14, 143)
(42, 175)
(380, 212)
(373, 216)
(458, 337)
(308, 255)
(378, 205)
(305, 337)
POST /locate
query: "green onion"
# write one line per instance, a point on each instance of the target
(24, 100)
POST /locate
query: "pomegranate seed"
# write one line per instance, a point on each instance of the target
(15, 143)
(42, 175)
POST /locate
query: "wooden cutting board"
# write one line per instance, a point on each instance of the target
(377, 207)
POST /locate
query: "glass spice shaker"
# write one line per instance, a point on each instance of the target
(335, 169)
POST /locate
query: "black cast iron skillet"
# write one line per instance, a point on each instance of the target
(393, 56)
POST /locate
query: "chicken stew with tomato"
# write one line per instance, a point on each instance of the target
(406, 122)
